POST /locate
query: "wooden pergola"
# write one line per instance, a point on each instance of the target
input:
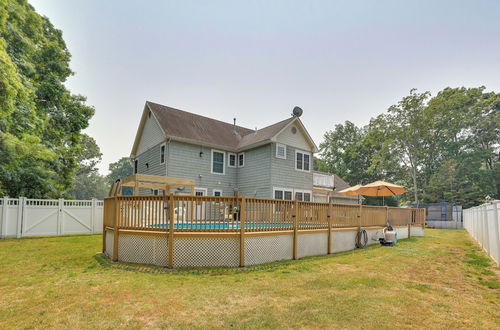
(138, 181)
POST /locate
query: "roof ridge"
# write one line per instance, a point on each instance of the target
(197, 115)
(263, 128)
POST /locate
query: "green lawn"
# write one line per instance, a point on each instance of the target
(442, 280)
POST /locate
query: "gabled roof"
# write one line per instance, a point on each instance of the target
(192, 128)
(265, 133)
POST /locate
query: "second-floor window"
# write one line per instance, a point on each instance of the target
(218, 162)
(136, 163)
(303, 161)
(241, 159)
(162, 153)
(231, 160)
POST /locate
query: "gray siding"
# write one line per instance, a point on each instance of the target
(184, 161)
(262, 170)
(151, 157)
(284, 174)
(254, 179)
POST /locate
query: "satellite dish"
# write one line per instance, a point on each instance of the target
(297, 112)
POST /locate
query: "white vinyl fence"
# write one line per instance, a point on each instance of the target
(483, 223)
(21, 217)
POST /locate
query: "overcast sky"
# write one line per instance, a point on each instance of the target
(256, 60)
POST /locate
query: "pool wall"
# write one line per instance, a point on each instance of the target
(223, 249)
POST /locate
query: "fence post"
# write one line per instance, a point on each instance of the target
(60, 206)
(496, 227)
(295, 216)
(242, 230)
(171, 231)
(329, 218)
(92, 215)
(116, 232)
(5, 214)
(21, 216)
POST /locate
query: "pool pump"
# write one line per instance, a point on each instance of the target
(390, 237)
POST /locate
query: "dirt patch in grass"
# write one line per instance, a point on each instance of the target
(443, 280)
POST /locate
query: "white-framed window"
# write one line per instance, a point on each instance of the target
(241, 159)
(283, 193)
(280, 151)
(303, 195)
(136, 165)
(218, 162)
(231, 159)
(200, 191)
(302, 161)
(217, 192)
(163, 149)
(156, 192)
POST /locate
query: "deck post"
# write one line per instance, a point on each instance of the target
(329, 218)
(242, 230)
(171, 231)
(116, 232)
(295, 216)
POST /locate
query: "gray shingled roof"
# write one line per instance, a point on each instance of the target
(187, 125)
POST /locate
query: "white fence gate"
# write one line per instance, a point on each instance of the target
(483, 223)
(21, 217)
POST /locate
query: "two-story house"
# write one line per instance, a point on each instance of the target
(225, 159)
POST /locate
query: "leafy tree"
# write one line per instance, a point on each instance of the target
(88, 183)
(444, 147)
(119, 170)
(36, 109)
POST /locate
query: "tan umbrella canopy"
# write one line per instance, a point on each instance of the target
(351, 190)
(380, 188)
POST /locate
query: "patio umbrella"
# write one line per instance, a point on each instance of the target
(351, 190)
(380, 188)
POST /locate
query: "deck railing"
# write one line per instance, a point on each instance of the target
(225, 214)
(203, 216)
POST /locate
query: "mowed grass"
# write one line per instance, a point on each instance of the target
(443, 280)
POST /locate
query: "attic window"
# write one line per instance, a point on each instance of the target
(281, 151)
(294, 130)
(149, 114)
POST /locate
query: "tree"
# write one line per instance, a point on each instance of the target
(36, 109)
(119, 170)
(444, 147)
(88, 183)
